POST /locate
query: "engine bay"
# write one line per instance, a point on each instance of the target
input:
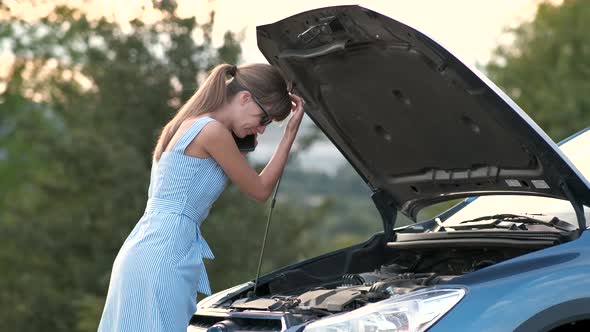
(407, 272)
(350, 279)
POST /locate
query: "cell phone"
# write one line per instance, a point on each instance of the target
(247, 144)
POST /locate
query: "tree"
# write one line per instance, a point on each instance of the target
(546, 69)
(80, 111)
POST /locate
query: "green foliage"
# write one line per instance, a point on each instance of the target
(546, 69)
(80, 112)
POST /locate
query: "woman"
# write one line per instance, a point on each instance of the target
(159, 269)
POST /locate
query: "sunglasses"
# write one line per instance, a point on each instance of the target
(266, 118)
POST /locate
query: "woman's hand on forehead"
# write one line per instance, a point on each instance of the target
(296, 101)
(296, 114)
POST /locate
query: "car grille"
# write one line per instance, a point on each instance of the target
(245, 324)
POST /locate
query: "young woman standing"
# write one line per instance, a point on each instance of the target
(159, 269)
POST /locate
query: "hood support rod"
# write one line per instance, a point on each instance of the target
(386, 206)
(577, 205)
(272, 206)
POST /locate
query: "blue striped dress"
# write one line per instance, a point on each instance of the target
(159, 269)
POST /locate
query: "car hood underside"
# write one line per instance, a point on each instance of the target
(413, 120)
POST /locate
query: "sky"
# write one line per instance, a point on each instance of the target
(470, 29)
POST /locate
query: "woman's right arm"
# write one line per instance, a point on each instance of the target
(220, 144)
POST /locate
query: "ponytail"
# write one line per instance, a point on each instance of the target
(210, 96)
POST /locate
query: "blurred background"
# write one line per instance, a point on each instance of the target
(85, 87)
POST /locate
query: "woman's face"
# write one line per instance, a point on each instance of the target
(251, 117)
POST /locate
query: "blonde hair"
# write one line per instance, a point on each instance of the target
(262, 80)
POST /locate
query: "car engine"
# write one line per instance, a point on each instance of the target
(404, 272)
(409, 271)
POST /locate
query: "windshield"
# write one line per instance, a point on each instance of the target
(577, 150)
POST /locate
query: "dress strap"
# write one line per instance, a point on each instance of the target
(190, 134)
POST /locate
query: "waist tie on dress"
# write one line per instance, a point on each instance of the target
(165, 205)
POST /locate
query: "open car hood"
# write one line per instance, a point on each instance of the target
(415, 122)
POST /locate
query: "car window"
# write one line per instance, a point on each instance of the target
(577, 150)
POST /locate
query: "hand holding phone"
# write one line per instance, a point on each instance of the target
(246, 144)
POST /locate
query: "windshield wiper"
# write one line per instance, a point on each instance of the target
(517, 219)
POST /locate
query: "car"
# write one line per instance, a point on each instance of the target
(422, 128)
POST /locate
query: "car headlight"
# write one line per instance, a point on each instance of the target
(413, 312)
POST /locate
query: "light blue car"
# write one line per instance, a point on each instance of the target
(422, 128)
